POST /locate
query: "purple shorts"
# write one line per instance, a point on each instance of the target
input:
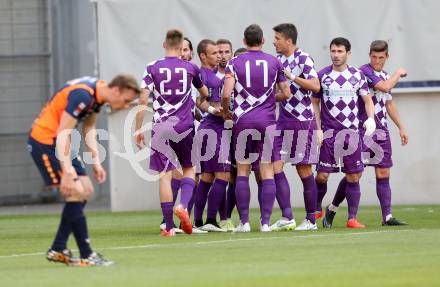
(220, 161)
(297, 137)
(341, 152)
(377, 149)
(166, 154)
(248, 140)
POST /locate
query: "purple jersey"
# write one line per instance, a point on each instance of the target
(213, 83)
(256, 73)
(170, 79)
(339, 97)
(379, 98)
(299, 104)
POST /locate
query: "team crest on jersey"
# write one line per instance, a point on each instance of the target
(79, 109)
(328, 81)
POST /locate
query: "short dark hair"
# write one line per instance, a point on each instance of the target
(341, 42)
(253, 35)
(240, 51)
(174, 38)
(189, 43)
(224, 41)
(124, 82)
(379, 46)
(288, 31)
(201, 47)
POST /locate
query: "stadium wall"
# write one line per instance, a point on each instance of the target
(130, 34)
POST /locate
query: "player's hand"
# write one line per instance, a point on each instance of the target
(287, 73)
(99, 173)
(218, 111)
(68, 184)
(140, 141)
(370, 126)
(319, 137)
(227, 115)
(403, 136)
(402, 72)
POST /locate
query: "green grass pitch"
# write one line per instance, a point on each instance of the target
(375, 256)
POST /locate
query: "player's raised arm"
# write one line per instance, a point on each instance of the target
(311, 84)
(378, 56)
(386, 86)
(394, 115)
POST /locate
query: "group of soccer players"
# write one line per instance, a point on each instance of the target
(214, 124)
(327, 119)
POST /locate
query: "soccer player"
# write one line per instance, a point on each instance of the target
(187, 55)
(228, 202)
(254, 75)
(225, 52)
(342, 86)
(169, 79)
(214, 176)
(296, 115)
(381, 83)
(49, 141)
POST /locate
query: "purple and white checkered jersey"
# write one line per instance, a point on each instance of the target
(213, 83)
(299, 105)
(256, 74)
(379, 98)
(170, 80)
(339, 96)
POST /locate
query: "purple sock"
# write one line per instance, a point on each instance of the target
(259, 195)
(167, 211)
(383, 191)
(340, 192)
(200, 199)
(187, 187)
(353, 194)
(268, 194)
(215, 197)
(322, 190)
(243, 196)
(222, 210)
(175, 185)
(230, 200)
(283, 195)
(191, 201)
(310, 194)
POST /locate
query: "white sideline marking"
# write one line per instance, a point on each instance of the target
(224, 241)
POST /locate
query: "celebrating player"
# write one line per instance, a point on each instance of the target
(170, 79)
(296, 115)
(381, 83)
(341, 87)
(254, 76)
(215, 171)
